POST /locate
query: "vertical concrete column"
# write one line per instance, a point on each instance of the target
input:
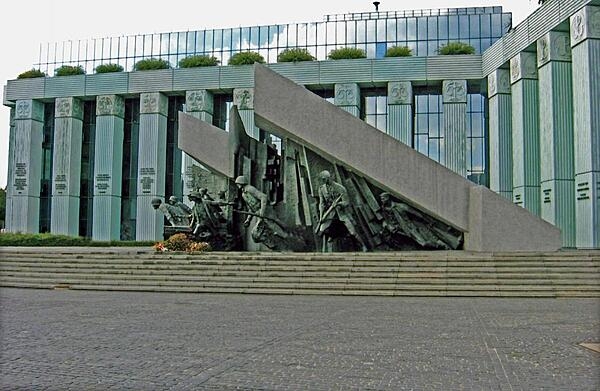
(108, 163)
(400, 115)
(243, 98)
(454, 94)
(585, 43)
(10, 178)
(151, 165)
(526, 132)
(557, 175)
(347, 97)
(500, 114)
(198, 104)
(66, 166)
(25, 168)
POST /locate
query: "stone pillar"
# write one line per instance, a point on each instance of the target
(557, 176)
(347, 97)
(454, 94)
(243, 98)
(585, 43)
(151, 165)
(500, 114)
(526, 132)
(108, 163)
(198, 104)
(25, 167)
(66, 166)
(400, 115)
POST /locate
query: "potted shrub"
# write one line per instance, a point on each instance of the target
(30, 74)
(453, 48)
(198, 61)
(398, 51)
(246, 58)
(69, 70)
(295, 55)
(148, 64)
(108, 68)
(346, 53)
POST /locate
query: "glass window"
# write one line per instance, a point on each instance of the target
(506, 23)
(391, 30)
(453, 27)
(98, 48)
(422, 28)
(292, 35)
(254, 31)
(401, 30)
(463, 27)
(411, 27)
(191, 42)
(164, 44)
(361, 31)
(341, 32)
(321, 33)
(351, 32)
(236, 38)
(312, 34)
(443, 27)
(485, 25)
(208, 41)
(331, 33)
(432, 27)
(381, 30)
(226, 44)
(371, 31)
(301, 34)
(474, 26)
(496, 25)
(381, 48)
(199, 41)
(218, 39)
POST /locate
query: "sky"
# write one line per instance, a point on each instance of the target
(25, 25)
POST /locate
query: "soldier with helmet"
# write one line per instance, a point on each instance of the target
(334, 206)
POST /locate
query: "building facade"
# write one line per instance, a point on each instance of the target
(87, 152)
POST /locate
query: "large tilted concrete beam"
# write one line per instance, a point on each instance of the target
(490, 222)
(206, 143)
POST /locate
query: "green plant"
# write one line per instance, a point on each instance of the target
(148, 64)
(456, 48)
(346, 53)
(246, 58)
(108, 68)
(52, 240)
(295, 55)
(398, 51)
(30, 74)
(69, 70)
(198, 61)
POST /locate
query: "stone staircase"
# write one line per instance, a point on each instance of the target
(436, 273)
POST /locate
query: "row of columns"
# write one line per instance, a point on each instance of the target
(26, 154)
(545, 129)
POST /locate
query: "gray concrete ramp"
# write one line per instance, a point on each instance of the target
(490, 222)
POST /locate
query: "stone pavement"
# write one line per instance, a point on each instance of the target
(85, 340)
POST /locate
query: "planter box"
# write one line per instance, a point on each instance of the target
(63, 86)
(302, 72)
(236, 76)
(200, 78)
(107, 83)
(160, 80)
(25, 89)
(399, 69)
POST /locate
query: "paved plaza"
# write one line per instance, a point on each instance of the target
(81, 340)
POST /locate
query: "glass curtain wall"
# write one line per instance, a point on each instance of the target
(129, 173)
(421, 30)
(86, 189)
(46, 185)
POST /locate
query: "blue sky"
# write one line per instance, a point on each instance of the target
(26, 25)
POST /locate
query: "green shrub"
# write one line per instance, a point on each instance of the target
(246, 58)
(69, 70)
(398, 51)
(346, 53)
(30, 74)
(151, 64)
(456, 48)
(198, 61)
(52, 240)
(108, 68)
(295, 55)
